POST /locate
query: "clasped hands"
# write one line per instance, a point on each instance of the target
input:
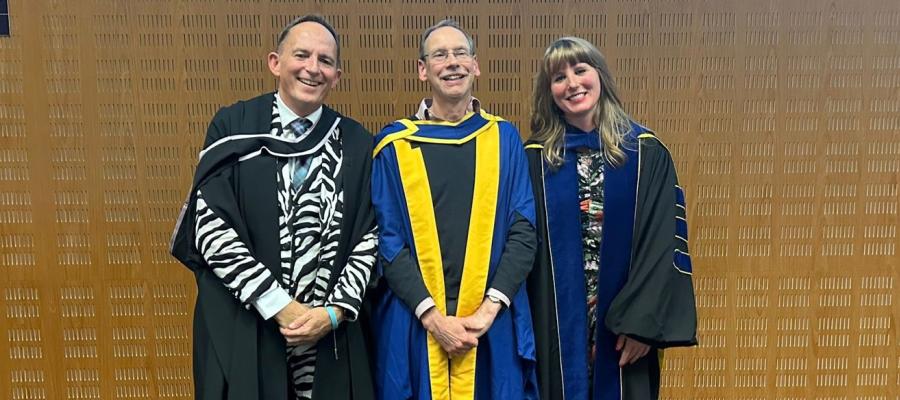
(301, 324)
(458, 335)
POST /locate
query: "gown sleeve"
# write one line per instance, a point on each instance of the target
(656, 305)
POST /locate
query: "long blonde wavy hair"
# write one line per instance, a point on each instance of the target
(547, 120)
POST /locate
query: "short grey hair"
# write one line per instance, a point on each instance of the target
(310, 18)
(447, 22)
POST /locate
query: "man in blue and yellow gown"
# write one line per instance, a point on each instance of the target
(455, 210)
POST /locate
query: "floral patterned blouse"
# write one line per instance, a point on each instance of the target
(590, 195)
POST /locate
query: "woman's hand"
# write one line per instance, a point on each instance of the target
(632, 350)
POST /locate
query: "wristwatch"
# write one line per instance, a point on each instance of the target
(494, 299)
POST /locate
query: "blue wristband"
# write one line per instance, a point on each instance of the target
(332, 316)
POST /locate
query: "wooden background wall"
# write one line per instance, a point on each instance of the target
(783, 115)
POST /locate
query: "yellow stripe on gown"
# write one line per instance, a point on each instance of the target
(453, 379)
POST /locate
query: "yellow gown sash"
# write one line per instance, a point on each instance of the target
(453, 379)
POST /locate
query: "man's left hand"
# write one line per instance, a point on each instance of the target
(479, 322)
(310, 327)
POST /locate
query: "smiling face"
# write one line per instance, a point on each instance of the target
(453, 77)
(576, 90)
(306, 67)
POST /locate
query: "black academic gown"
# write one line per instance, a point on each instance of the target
(238, 355)
(645, 274)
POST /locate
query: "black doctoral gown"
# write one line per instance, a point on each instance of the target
(237, 354)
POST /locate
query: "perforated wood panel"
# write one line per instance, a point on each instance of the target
(783, 116)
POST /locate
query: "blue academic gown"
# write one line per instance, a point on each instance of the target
(505, 354)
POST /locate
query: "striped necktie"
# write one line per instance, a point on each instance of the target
(299, 165)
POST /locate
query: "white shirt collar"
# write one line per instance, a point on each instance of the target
(287, 115)
(424, 111)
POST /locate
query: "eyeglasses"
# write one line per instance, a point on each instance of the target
(441, 56)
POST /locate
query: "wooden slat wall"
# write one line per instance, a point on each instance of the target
(783, 116)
